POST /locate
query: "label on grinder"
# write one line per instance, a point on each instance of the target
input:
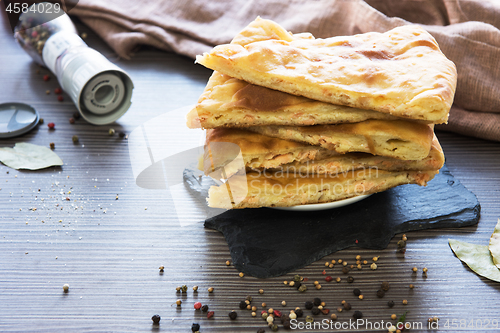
(56, 45)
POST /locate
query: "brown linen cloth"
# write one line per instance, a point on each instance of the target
(467, 31)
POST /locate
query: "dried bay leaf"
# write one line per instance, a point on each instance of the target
(495, 245)
(29, 156)
(477, 257)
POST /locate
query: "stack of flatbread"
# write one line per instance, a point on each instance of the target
(321, 120)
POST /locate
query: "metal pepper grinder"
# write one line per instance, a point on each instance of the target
(100, 90)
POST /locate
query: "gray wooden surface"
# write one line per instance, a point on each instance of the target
(109, 250)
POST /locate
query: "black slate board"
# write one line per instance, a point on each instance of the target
(267, 242)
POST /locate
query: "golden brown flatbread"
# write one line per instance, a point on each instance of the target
(401, 139)
(401, 72)
(255, 190)
(258, 151)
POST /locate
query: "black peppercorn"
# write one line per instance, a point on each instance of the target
(350, 279)
(297, 285)
(347, 306)
(261, 330)
(76, 115)
(309, 305)
(345, 270)
(315, 311)
(390, 304)
(385, 286)
(274, 328)
(156, 319)
(317, 301)
(357, 315)
(380, 293)
(249, 298)
(204, 308)
(233, 315)
(284, 317)
(299, 313)
(356, 292)
(243, 305)
(286, 324)
(195, 327)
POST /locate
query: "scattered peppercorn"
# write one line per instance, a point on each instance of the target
(412, 286)
(47, 92)
(357, 315)
(325, 311)
(328, 278)
(347, 306)
(161, 268)
(58, 91)
(264, 305)
(292, 283)
(405, 302)
(254, 314)
(197, 305)
(46, 77)
(293, 315)
(66, 287)
(270, 311)
(254, 308)
(274, 328)
(338, 280)
(287, 325)
(178, 289)
(299, 313)
(414, 269)
(385, 286)
(380, 293)
(264, 315)
(350, 279)
(390, 304)
(76, 115)
(41, 121)
(283, 303)
(373, 266)
(60, 98)
(111, 131)
(52, 145)
(339, 309)
(317, 301)
(184, 288)
(261, 330)
(356, 292)
(243, 305)
(195, 288)
(277, 313)
(404, 237)
(241, 274)
(121, 135)
(228, 263)
(233, 315)
(51, 125)
(178, 302)
(270, 319)
(71, 120)
(394, 316)
(309, 305)
(204, 308)
(318, 286)
(210, 314)
(210, 289)
(309, 319)
(261, 291)
(195, 327)
(75, 139)
(315, 311)
(345, 270)
(248, 307)
(156, 319)
(333, 316)
(361, 297)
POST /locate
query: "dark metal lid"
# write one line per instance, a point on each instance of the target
(17, 119)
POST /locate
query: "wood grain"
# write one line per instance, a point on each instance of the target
(109, 250)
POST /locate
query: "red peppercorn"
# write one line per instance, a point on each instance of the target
(197, 305)
(46, 77)
(60, 98)
(34, 34)
(305, 279)
(328, 278)
(210, 314)
(262, 312)
(324, 272)
(58, 91)
(277, 313)
(51, 125)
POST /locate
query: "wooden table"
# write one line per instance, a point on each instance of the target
(108, 250)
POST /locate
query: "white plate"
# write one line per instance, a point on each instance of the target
(324, 206)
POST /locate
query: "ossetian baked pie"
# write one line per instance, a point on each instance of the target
(401, 72)
(260, 152)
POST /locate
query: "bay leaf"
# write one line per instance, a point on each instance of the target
(495, 245)
(29, 156)
(477, 257)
